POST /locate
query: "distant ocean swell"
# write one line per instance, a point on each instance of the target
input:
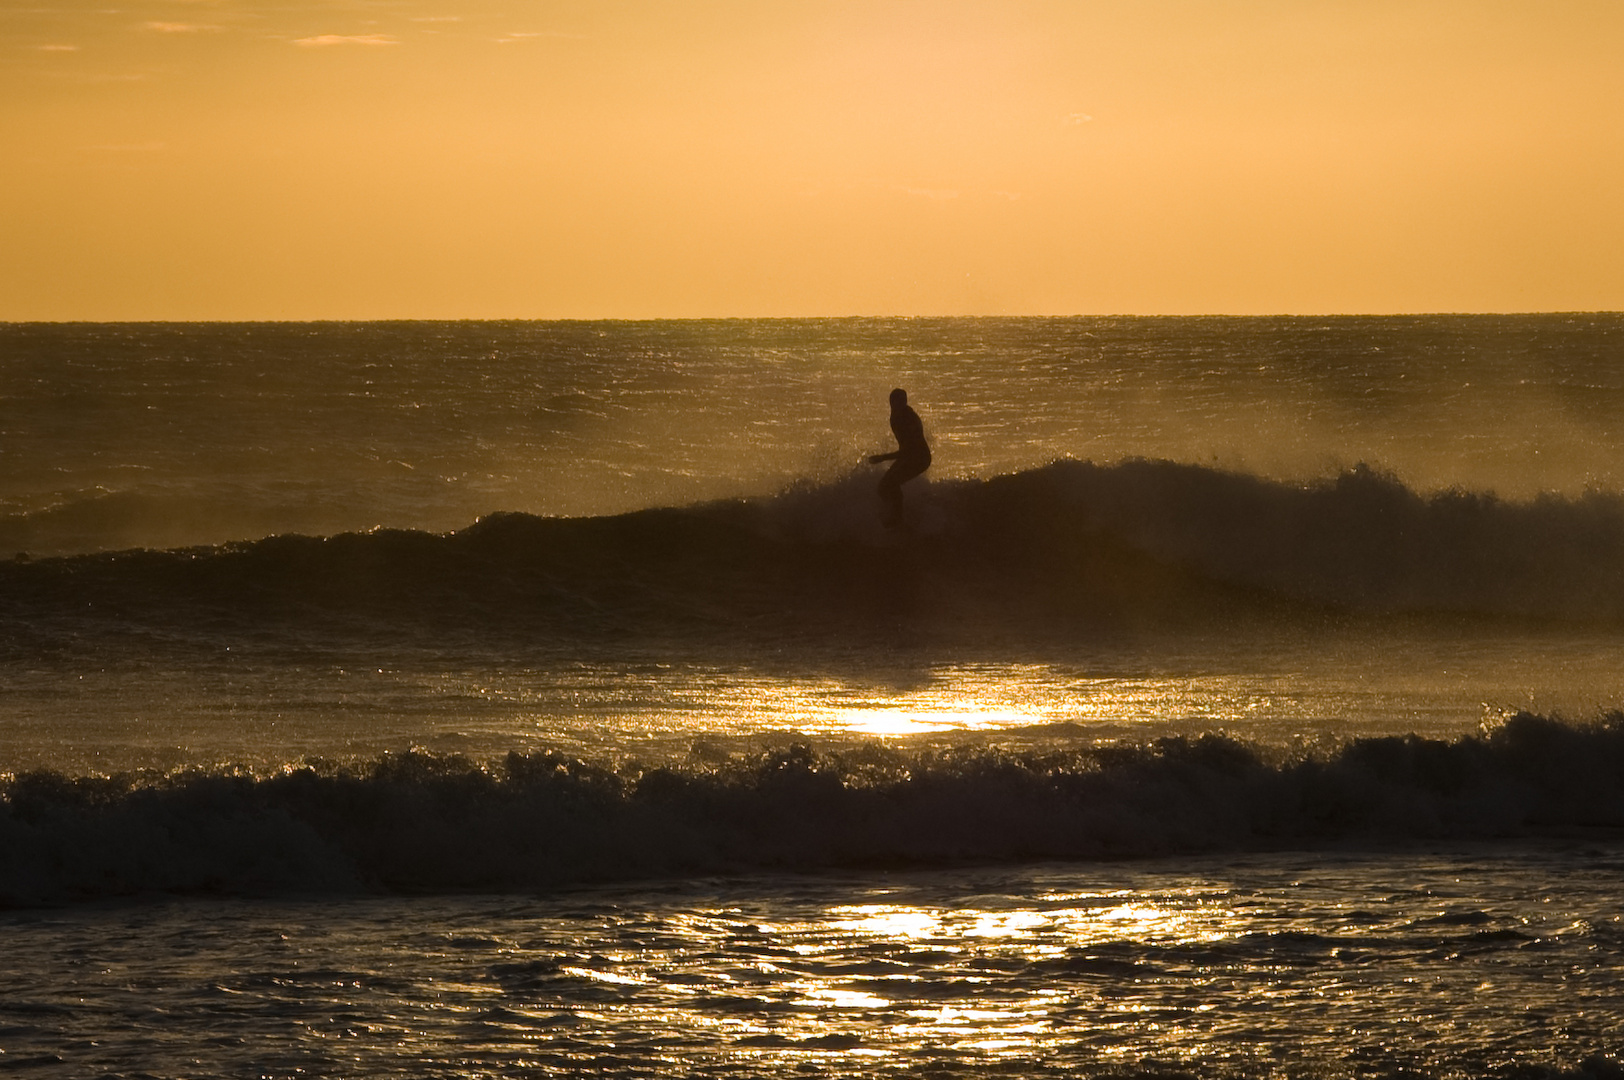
(1072, 542)
(421, 822)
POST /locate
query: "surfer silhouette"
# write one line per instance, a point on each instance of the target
(911, 457)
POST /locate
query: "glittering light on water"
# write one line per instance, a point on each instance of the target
(904, 721)
(847, 999)
(880, 920)
(983, 970)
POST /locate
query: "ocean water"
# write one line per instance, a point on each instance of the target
(1240, 697)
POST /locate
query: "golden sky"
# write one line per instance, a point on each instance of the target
(293, 159)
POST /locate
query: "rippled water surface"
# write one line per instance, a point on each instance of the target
(1458, 962)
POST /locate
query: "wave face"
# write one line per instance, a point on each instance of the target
(421, 822)
(1066, 546)
(1363, 541)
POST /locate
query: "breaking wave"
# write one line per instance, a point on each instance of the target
(422, 822)
(1072, 543)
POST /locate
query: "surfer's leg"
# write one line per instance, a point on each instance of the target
(891, 496)
(901, 471)
(904, 471)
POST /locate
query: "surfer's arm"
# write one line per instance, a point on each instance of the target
(875, 459)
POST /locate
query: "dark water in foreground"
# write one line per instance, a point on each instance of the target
(1482, 961)
(1241, 699)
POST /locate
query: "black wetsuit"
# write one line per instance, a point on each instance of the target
(913, 457)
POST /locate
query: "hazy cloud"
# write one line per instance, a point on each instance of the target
(436, 18)
(57, 48)
(324, 40)
(1078, 118)
(528, 35)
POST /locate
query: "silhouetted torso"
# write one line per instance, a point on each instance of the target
(910, 432)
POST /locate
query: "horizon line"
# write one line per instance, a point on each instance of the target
(807, 318)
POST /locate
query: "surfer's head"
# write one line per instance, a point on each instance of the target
(899, 398)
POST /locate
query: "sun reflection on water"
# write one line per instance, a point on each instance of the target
(866, 964)
(1283, 967)
(1055, 926)
(891, 720)
(664, 710)
(1037, 698)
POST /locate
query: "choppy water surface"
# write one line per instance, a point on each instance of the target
(1448, 963)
